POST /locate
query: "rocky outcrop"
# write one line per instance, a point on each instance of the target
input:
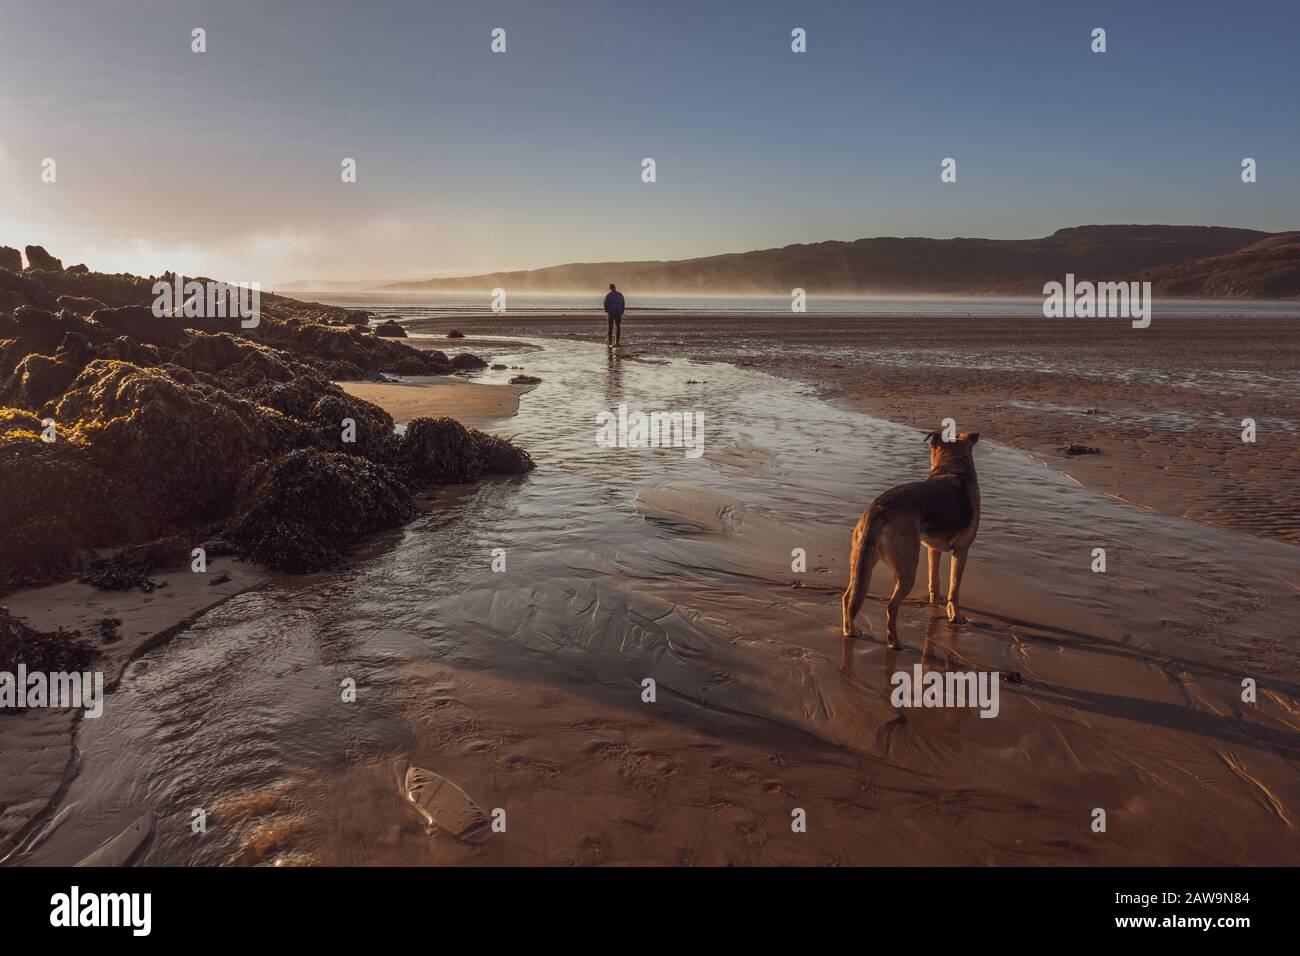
(11, 259)
(298, 512)
(390, 329)
(165, 430)
(38, 258)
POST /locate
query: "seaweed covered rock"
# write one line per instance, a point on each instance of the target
(80, 304)
(30, 330)
(140, 324)
(357, 318)
(299, 512)
(40, 651)
(390, 329)
(333, 347)
(442, 451)
(57, 503)
(466, 360)
(39, 379)
(184, 446)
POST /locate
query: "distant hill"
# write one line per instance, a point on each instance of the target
(887, 265)
(1268, 269)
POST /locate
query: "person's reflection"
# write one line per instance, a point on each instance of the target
(613, 379)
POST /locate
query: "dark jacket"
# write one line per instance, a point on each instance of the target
(614, 302)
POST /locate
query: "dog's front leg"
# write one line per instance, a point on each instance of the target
(954, 586)
(935, 556)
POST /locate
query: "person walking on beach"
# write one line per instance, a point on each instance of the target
(614, 306)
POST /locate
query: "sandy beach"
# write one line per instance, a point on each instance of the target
(470, 403)
(524, 687)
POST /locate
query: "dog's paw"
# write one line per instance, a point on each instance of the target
(955, 616)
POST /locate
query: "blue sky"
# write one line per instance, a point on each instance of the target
(227, 162)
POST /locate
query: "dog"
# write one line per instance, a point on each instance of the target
(943, 511)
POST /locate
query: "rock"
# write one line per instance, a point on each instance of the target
(82, 305)
(390, 329)
(465, 361)
(498, 368)
(1080, 450)
(58, 503)
(181, 447)
(455, 334)
(79, 269)
(357, 318)
(39, 379)
(38, 258)
(440, 451)
(11, 259)
(140, 324)
(299, 512)
(525, 380)
(25, 289)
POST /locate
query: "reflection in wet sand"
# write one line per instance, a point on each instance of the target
(525, 688)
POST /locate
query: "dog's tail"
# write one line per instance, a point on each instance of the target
(862, 559)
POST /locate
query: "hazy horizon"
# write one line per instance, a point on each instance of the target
(469, 162)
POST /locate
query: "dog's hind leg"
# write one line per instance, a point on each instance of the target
(862, 558)
(954, 586)
(935, 556)
(902, 557)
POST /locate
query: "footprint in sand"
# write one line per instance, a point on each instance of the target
(443, 804)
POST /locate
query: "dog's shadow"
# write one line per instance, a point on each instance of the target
(941, 650)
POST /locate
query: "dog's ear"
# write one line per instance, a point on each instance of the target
(973, 437)
(934, 438)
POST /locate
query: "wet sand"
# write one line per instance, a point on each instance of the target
(470, 403)
(39, 757)
(524, 686)
(1164, 405)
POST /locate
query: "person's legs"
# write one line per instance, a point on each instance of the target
(618, 327)
(609, 335)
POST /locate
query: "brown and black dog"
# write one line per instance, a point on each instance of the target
(943, 511)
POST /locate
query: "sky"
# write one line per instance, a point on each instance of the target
(228, 163)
